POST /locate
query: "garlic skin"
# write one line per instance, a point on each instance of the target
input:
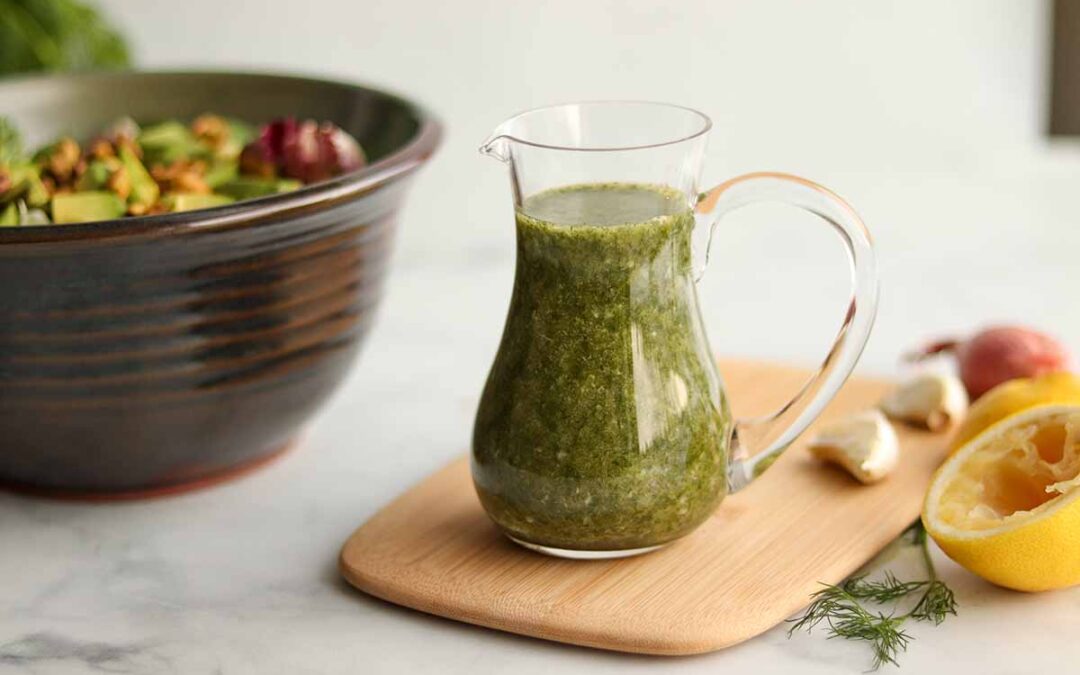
(929, 400)
(864, 444)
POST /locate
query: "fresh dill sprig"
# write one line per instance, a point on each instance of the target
(938, 601)
(887, 590)
(848, 619)
(843, 610)
(935, 604)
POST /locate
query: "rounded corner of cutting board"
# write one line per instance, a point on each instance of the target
(744, 571)
(345, 565)
(358, 569)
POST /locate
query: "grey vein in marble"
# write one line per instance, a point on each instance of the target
(96, 656)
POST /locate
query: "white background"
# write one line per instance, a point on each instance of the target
(928, 116)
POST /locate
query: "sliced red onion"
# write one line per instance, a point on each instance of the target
(307, 151)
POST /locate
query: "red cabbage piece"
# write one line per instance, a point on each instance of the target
(307, 150)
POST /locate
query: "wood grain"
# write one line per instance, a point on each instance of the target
(750, 566)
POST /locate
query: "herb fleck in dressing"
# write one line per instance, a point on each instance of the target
(603, 426)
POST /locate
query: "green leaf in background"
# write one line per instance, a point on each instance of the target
(52, 35)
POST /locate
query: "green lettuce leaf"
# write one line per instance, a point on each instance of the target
(53, 35)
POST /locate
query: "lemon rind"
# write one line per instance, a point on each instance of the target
(1009, 522)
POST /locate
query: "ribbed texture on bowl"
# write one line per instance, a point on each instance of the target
(194, 324)
(166, 360)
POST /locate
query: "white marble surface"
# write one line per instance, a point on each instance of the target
(930, 127)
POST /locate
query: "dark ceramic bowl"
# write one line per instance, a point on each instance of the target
(144, 354)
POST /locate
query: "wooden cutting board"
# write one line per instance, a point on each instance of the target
(749, 567)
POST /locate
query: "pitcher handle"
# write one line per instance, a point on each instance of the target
(759, 441)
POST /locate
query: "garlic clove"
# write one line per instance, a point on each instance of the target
(929, 400)
(864, 444)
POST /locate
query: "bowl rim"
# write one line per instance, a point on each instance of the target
(249, 212)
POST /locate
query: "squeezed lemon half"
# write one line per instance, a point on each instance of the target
(1014, 396)
(1006, 505)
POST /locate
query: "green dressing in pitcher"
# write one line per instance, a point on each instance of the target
(602, 425)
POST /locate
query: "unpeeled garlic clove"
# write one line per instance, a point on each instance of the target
(929, 400)
(864, 444)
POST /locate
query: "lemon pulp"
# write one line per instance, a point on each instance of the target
(1014, 475)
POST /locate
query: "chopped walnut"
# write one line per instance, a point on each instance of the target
(165, 173)
(212, 129)
(119, 182)
(181, 176)
(62, 160)
(190, 181)
(101, 148)
(137, 209)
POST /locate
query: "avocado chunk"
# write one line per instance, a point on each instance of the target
(26, 183)
(34, 192)
(168, 142)
(220, 172)
(240, 134)
(9, 215)
(184, 201)
(240, 131)
(143, 188)
(288, 184)
(249, 188)
(96, 176)
(86, 207)
(170, 132)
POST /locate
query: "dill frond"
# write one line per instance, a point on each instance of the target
(846, 618)
(936, 604)
(886, 590)
(843, 608)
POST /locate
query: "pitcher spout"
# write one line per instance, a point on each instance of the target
(497, 146)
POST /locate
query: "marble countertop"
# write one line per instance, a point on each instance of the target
(939, 146)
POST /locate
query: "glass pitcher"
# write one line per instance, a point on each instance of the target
(603, 429)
